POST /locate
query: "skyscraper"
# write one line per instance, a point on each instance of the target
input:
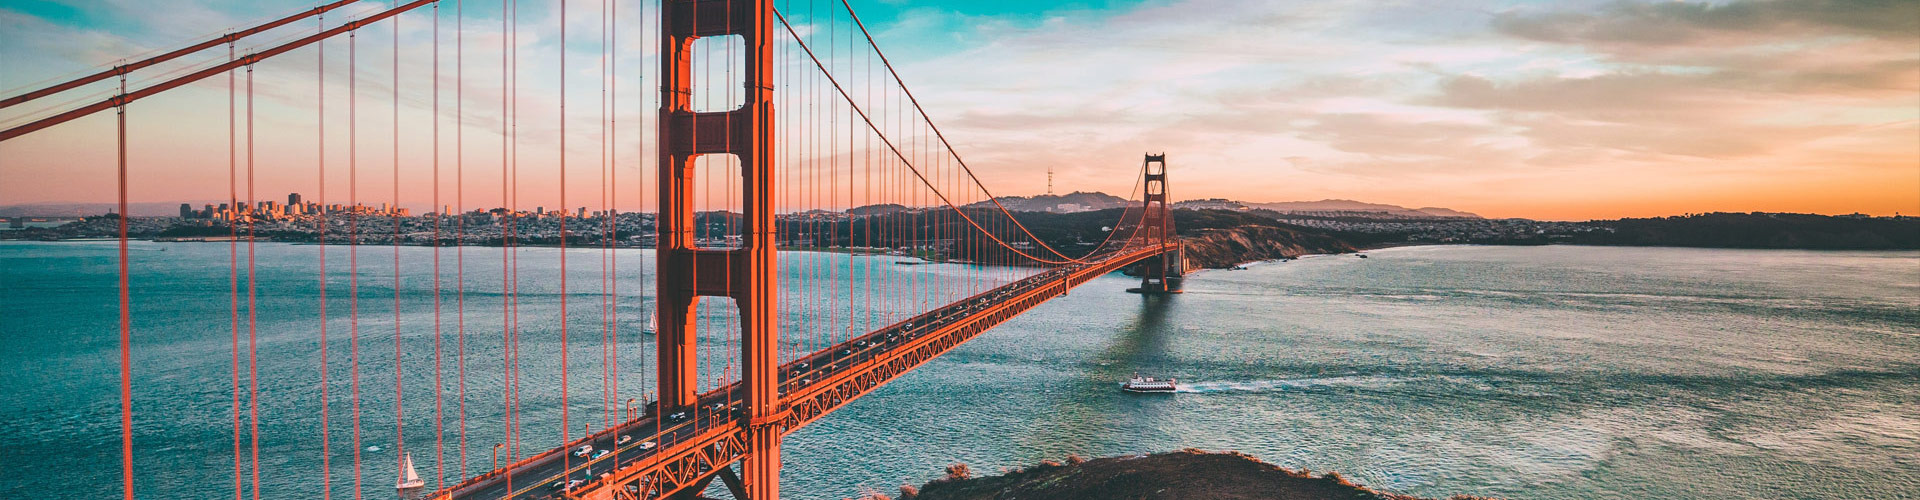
(293, 199)
(186, 210)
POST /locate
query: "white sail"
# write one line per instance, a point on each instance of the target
(653, 321)
(409, 478)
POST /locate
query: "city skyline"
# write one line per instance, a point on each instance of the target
(1508, 109)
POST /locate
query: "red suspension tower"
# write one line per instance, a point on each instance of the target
(1162, 273)
(745, 274)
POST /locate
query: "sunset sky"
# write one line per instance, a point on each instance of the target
(1564, 110)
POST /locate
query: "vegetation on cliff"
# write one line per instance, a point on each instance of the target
(1182, 475)
(1224, 248)
(1760, 230)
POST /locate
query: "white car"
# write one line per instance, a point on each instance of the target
(623, 439)
(583, 450)
(646, 445)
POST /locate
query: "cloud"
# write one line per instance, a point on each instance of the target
(1635, 23)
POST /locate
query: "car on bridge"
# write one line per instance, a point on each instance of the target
(677, 417)
(583, 450)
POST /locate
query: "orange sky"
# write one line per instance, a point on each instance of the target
(1506, 109)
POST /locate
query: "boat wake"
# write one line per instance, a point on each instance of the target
(1297, 384)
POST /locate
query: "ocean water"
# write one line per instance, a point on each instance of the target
(1518, 372)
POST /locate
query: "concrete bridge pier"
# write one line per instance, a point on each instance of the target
(1162, 274)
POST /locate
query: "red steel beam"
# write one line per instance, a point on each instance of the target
(684, 464)
(136, 65)
(124, 98)
(687, 463)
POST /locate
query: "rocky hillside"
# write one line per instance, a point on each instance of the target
(1077, 201)
(1182, 475)
(1220, 248)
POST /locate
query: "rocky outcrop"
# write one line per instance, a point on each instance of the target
(1182, 475)
(1228, 247)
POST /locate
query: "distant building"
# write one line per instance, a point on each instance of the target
(293, 199)
(186, 210)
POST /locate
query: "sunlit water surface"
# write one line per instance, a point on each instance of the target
(1519, 372)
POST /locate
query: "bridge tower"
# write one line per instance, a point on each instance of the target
(746, 274)
(1163, 273)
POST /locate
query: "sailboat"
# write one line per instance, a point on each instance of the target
(653, 322)
(409, 478)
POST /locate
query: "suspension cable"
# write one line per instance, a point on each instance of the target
(916, 170)
(943, 138)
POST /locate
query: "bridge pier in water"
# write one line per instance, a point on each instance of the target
(1162, 274)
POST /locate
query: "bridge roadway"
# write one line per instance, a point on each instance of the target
(664, 455)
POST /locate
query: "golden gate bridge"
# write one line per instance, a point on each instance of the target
(800, 129)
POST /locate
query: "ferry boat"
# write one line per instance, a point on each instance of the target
(1148, 384)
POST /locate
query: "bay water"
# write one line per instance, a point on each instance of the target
(1555, 372)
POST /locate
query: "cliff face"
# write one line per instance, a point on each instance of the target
(1225, 248)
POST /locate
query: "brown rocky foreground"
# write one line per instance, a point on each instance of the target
(1183, 475)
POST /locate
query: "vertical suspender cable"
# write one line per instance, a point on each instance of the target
(126, 317)
(606, 327)
(439, 416)
(233, 272)
(611, 366)
(506, 233)
(513, 294)
(253, 337)
(353, 241)
(460, 225)
(564, 394)
(640, 198)
(518, 368)
(399, 423)
(320, 153)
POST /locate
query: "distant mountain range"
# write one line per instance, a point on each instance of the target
(1327, 207)
(1360, 206)
(1077, 201)
(86, 209)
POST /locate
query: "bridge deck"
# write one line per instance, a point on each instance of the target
(685, 448)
